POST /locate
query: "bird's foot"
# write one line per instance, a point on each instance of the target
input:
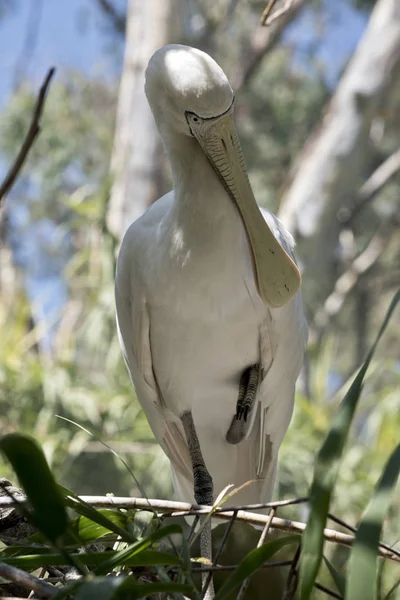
(247, 395)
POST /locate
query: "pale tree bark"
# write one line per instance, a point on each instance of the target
(135, 161)
(332, 167)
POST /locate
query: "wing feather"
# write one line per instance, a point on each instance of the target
(287, 334)
(133, 325)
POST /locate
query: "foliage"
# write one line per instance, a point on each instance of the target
(126, 552)
(84, 379)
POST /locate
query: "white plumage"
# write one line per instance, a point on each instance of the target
(190, 315)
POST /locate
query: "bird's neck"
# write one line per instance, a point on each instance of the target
(199, 194)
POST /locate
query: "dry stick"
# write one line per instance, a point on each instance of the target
(268, 565)
(267, 18)
(374, 184)
(193, 529)
(41, 576)
(221, 547)
(30, 137)
(347, 280)
(183, 509)
(262, 42)
(328, 591)
(354, 530)
(26, 580)
(261, 541)
(291, 583)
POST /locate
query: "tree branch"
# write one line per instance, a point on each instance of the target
(174, 509)
(30, 137)
(118, 21)
(267, 18)
(369, 190)
(264, 40)
(26, 580)
(347, 281)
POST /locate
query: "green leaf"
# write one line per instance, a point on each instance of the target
(100, 588)
(326, 470)
(83, 530)
(29, 463)
(99, 517)
(363, 563)
(119, 588)
(89, 531)
(130, 590)
(337, 577)
(146, 558)
(136, 548)
(252, 562)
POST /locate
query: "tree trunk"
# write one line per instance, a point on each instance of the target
(136, 156)
(332, 167)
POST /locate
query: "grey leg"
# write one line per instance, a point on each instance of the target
(248, 387)
(203, 494)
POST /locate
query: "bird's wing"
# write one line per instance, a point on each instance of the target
(133, 326)
(287, 337)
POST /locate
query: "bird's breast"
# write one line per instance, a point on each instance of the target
(205, 317)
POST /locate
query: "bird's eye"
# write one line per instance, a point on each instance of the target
(195, 119)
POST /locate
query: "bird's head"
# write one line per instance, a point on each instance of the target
(185, 86)
(190, 96)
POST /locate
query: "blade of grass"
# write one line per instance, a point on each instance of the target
(362, 570)
(251, 563)
(135, 549)
(337, 577)
(49, 514)
(326, 470)
(146, 558)
(83, 508)
(118, 588)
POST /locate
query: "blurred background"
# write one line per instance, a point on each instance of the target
(317, 108)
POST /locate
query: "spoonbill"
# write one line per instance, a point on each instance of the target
(209, 311)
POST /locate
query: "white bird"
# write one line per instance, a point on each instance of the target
(209, 312)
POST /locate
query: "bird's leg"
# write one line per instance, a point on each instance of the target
(247, 395)
(203, 494)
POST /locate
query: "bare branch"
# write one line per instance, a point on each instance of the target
(30, 137)
(118, 21)
(265, 40)
(269, 17)
(30, 42)
(369, 190)
(169, 508)
(26, 580)
(346, 282)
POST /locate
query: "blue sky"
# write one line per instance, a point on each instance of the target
(71, 34)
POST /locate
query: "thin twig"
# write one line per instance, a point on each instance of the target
(327, 591)
(26, 580)
(118, 20)
(221, 546)
(267, 18)
(193, 529)
(264, 533)
(262, 42)
(374, 184)
(30, 137)
(268, 565)
(167, 508)
(42, 573)
(261, 541)
(392, 589)
(291, 583)
(354, 530)
(347, 280)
